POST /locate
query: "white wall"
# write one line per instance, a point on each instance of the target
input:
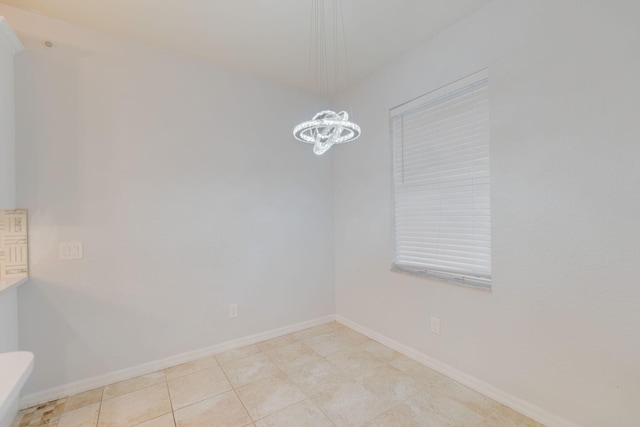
(561, 327)
(7, 119)
(9, 320)
(187, 188)
(8, 299)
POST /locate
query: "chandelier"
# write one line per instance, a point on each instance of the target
(327, 127)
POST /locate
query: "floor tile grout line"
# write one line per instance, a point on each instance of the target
(282, 371)
(200, 401)
(166, 381)
(351, 346)
(276, 365)
(135, 391)
(234, 391)
(100, 408)
(342, 370)
(197, 402)
(309, 397)
(129, 392)
(186, 363)
(243, 405)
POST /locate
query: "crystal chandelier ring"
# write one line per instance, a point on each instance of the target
(327, 127)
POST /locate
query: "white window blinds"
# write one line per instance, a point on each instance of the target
(442, 212)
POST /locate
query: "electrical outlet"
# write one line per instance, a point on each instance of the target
(435, 325)
(233, 311)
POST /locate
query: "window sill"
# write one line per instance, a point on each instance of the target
(482, 285)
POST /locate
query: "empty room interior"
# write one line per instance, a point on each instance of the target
(319, 213)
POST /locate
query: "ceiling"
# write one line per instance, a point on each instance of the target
(269, 38)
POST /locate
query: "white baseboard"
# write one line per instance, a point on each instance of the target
(474, 383)
(156, 365)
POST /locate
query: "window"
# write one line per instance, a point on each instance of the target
(442, 220)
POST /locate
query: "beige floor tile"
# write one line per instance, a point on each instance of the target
(223, 410)
(468, 397)
(191, 367)
(411, 367)
(316, 377)
(238, 353)
(249, 369)
(398, 416)
(268, 395)
(328, 343)
(83, 399)
(350, 404)
(293, 355)
(440, 410)
(350, 335)
(507, 417)
(276, 343)
(23, 418)
(133, 384)
(162, 421)
(312, 332)
(355, 362)
(136, 407)
(192, 388)
(46, 414)
(380, 351)
(332, 326)
(86, 416)
(390, 384)
(302, 414)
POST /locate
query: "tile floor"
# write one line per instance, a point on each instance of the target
(328, 375)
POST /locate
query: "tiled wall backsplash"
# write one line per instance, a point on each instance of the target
(14, 256)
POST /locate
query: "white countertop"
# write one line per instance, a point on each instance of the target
(15, 368)
(10, 282)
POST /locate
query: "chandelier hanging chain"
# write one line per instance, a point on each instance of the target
(344, 43)
(336, 54)
(320, 63)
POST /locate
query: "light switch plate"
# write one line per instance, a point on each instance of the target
(70, 250)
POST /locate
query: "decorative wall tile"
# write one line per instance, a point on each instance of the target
(14, 256)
